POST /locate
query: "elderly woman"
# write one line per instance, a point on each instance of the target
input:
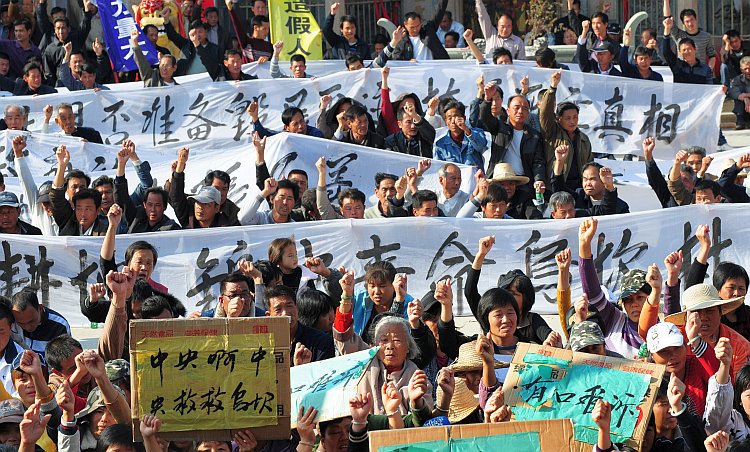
(393, 363)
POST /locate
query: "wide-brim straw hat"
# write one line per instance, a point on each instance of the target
(463, 403)
(468, 359)
(703, 296)
(504, 172)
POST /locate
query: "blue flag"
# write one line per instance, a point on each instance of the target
(117, 22)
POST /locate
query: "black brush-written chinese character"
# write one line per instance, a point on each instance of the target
(613, 118)
(539, 262)
(211, 400)
(238, 399)
(593, 395)
(690, 240)
(9, 269)
(297, 100)
(203, 130)
(432, 91)
(151, 116)
(297, 25)
(81, 279)
(186, 359)
(259, 404)
(625, 405)
(377, 254)
(337, 169)
(237, 108)
(185, 402)
(157, 405)
(157, 360)
(39, 273)
(661, 123)
(117, 137)
(206, 281)
(223, 357)
(257, 357)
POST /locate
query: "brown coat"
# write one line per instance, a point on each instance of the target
(554, 135)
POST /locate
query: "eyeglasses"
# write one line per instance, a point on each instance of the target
(245, 294)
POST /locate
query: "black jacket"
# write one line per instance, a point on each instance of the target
(88, 134)
(729, 190)
(422, 147)
(184, 207)
(54, 53)
(610, 204)
(588, 65)
(135, 215)
(339, 46)
(659, 185)
(208, 54)
(428, 34)
(372, 139)
(19, 87)
(65, 217)
(532, 144)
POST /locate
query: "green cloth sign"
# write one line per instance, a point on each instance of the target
(517, 442)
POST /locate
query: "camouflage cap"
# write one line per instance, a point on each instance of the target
(584, 334)
(94, 401)
(117, 369)
(632, 282)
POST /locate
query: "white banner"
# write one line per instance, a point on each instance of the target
(349, 166)
(193, 262)
(616, 113)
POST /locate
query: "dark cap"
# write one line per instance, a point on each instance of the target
(44, 189)
(504, 281)
(614, 29)
(606, 46)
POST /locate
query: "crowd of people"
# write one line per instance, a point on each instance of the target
(56, 395)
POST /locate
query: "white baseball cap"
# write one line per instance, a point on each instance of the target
(663, 335)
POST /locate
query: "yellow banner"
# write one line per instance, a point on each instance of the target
(217, 382)
(293, 23)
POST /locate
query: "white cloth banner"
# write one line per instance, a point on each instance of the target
(349, 166)
(616, 113)
(193, 262)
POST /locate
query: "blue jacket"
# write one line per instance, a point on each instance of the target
(469, 153)
(362, 309)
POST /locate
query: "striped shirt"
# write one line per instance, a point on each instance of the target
(53, 324)
(704, 46)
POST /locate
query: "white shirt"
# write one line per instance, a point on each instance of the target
(451, 206)
(513, 155)
(421, 52)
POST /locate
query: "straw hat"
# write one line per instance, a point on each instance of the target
(463, 403)
(504, 172)
(703, 296)
(469, 360)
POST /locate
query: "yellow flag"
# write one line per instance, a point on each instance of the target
(293, 23)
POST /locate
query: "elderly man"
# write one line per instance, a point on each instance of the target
(10, 210)
(513, 141)
(502, 36)
(451, 198)
(385, 187)
(739, 90)
(66, 120)
(14, 119)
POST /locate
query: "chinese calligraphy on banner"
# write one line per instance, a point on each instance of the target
(551, 383)
(212, 374)
(553, 435)
(293, 22)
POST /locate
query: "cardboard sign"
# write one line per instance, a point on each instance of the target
(328, 385)
(555, 435)
(206, 377)
(550, 383)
